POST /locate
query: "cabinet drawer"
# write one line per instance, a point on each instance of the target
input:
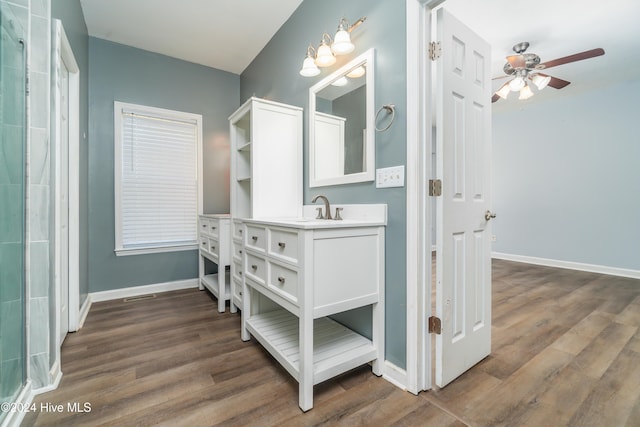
(237, 229)
(255, 268)
(214, 247)
(284, 244)
(256, 238)
(214, 227)
(204, 242)
(237, 289)
(203, 225)
(236, 270)
(237, 250)
(283, 281)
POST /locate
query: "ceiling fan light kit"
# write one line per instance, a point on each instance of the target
(526, 66)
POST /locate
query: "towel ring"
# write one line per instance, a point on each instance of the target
(391, 108)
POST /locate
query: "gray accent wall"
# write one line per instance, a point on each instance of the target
(566, 180)
(274, 75)
(122, 73)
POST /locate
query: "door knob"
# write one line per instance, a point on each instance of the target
(488, 215)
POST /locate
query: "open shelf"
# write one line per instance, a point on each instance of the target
(336, 348)
(211, 282)
(245, 147)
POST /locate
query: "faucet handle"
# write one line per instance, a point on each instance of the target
(337, 217)
(319, 216)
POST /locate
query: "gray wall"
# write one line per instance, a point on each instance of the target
(274, 75)
(126, 74)
(70, 13)
(568, 186)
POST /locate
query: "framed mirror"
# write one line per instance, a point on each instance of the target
(341, 125)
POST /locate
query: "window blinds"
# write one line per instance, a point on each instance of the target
(159, 188)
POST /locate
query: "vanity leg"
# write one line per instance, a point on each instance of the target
(305, 386)
(246, 304)
(377, 335)
(222, 276)
(200, 271)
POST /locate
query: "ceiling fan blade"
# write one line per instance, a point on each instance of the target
(501, 77)
(495, 97)
(572, 58)
(516, 61)
(555, 82)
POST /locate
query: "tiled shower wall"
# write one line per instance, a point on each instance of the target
(39, 205)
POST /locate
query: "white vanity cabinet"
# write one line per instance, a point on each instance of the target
(214, 236)
(266, 168)
(311, 270)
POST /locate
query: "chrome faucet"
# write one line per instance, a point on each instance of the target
(327, 207)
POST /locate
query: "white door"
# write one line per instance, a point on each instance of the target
(64, 200)
(463, 259)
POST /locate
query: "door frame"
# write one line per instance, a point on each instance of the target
(419, 204)
(62, 52)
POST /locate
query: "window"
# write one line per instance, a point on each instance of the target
(157, 194)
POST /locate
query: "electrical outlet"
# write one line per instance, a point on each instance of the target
(390, 177)
(493, 238)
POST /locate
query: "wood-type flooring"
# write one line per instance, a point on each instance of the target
(565, 351)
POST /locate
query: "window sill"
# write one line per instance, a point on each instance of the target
(155, 250)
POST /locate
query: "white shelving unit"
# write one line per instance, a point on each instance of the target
(266, 169)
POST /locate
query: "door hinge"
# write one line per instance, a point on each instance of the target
(435, 325)
(435, 50)
(435, 187)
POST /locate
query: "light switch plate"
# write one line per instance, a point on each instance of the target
(390, 177)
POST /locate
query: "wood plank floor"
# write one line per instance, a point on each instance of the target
(566, 351)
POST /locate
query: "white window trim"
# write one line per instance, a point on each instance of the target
(117, 126)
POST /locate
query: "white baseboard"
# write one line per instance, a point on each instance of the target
(14, 418)
(84, 310)
(591, 268)
(143, 290)
(55, 375)
(395, 375)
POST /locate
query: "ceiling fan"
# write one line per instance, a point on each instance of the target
(524, 67)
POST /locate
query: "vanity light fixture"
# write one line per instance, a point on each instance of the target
(342, 81)
(325, 56)
(356, 72)
(309, 67)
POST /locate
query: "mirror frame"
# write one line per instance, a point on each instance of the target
(367, 58)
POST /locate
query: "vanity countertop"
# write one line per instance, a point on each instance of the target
(219, 216)
(357, 215)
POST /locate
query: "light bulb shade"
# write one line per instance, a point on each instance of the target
(516, 84)
(540, 81)
(504, 91)
(357, 72)
(325, 57)
(342, 43)
(525, 93)
(342, 81)
(309, 68)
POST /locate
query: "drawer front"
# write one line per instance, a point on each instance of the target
(214, 227)
(204, 242)
(237, 229)
(283, 281)
(284, 245)
(237, 289)
(256, 238)
(236, 270)
(214, 247)
(203, 225)
(237, 250)
(255, 268)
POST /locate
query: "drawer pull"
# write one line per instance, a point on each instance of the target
(204, 243)
(281, 280)
(240, 251)
(239, 273)
(254, 238)
(204, 226)
(240, 293)
(254, 267)
(213, 248)
(240, 231)
(213, 228)
(282, 245)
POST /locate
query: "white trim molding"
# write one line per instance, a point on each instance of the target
(591, 268)
(393, 374)
(24, 399)
(84, 311)
(135, 291)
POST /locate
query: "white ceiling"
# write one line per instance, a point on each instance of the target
(228, 34)
(223, 34)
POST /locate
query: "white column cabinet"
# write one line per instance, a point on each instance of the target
(214, 236)
(266, 170)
